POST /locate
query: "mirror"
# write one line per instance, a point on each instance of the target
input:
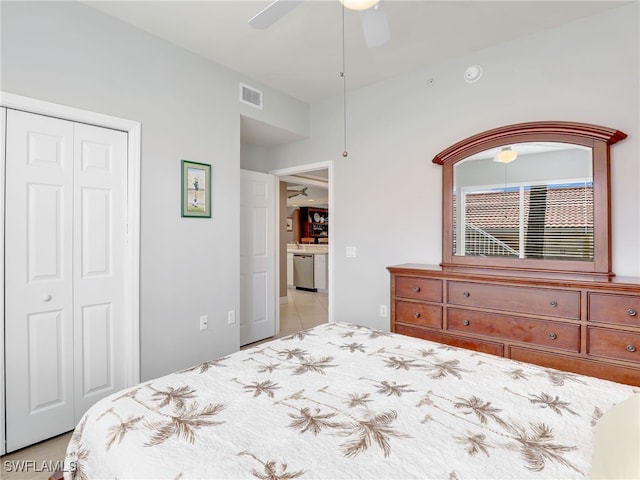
(527, 200)
(530, 197)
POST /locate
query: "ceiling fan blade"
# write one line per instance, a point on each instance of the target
(375, 25)
(272, 13)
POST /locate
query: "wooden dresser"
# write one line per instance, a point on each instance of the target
(591, 327)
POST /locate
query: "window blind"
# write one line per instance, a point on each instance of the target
(534, 221)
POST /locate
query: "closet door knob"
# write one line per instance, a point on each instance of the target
(46, 297)
(631, 348)
(416, 289)
(553, 303)
(631, 312)
(553, 336)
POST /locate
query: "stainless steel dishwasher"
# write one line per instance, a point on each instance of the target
(303, 271)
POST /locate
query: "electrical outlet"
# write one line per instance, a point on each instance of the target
(204, 322)
(383, 310)
(350, 252)
(231, 317)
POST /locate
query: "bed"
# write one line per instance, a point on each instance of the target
(345, 401)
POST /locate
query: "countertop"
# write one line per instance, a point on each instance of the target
(308, 249)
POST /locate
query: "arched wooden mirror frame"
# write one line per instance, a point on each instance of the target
(598, 138)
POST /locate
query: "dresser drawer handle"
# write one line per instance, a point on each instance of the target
(631, 312)
(631, 348)
(553, 303)
(553, 336)
(416, 289)
(416, 314)
(465, 323)
(466, 294)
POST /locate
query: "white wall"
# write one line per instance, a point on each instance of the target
(388, 192)
(71, 54)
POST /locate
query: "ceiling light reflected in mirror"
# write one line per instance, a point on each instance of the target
(358, 4)
(505, 155)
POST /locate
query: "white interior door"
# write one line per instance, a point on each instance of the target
(100, 166)
(38, 287)
(257, 256)
(64, 241)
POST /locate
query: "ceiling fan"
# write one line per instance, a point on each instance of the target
(373, 16)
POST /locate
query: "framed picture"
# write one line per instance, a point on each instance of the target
(289, 224)
(196, 189)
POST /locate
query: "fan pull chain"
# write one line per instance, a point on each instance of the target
(344, 90)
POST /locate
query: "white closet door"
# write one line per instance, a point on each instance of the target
(64, 278)
(99, 241)
(38, 278)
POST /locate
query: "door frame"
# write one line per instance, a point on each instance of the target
(132, 248)
(283, 172)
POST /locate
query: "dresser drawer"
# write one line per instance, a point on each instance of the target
(610, 308)
(419, 313)
(613, 344)
(593, 368)
(493, 348)
(532, 301)
(427, 289)
(565, 336)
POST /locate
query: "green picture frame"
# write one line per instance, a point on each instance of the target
(196, 189)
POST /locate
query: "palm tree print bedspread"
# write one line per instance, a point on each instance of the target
(344, 401)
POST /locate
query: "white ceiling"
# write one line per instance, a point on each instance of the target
(316, 183)
(300, 54)
(315, 196)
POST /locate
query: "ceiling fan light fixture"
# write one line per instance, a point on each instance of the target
(358, 4)
(505, 155)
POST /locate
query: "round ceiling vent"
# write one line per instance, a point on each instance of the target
(473, 73)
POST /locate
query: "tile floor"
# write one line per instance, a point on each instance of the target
(303, 310)
(35, 462)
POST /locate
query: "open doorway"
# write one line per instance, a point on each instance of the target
(257, 139)
(304, 252)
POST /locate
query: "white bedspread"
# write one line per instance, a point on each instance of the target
(342, 401)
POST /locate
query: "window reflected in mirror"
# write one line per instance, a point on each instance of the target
(530, 200)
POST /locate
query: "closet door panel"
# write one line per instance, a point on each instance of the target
(99, 235)
(46, 364)
(38, 273)
(97, 354)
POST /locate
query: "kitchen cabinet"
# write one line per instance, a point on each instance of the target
(315, 222)
(317, 269)
(320, 271)
(289, 269)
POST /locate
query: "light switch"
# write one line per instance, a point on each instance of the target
(204, 322)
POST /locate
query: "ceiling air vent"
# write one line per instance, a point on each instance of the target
(250, 96)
